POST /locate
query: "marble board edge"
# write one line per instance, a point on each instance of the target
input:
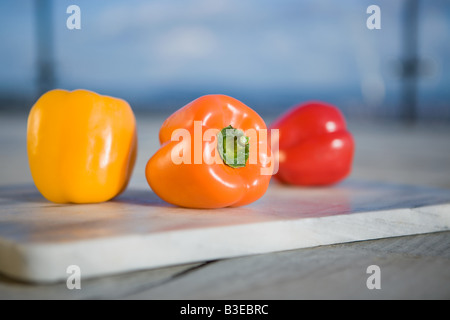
(47, 263)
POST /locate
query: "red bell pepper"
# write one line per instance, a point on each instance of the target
(315, 147)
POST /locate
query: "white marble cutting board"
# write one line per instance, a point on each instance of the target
(39, 240)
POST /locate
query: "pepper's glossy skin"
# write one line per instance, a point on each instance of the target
(81, 146)
(315, 146)
(209, 184)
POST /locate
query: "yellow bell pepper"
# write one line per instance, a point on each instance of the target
(81, 146)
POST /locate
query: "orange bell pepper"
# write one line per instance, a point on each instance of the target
(213, 155)
(81, 146)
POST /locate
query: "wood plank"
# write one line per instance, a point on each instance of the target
(412, 267)
(111, 287)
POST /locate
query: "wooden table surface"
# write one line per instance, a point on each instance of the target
(412, 267)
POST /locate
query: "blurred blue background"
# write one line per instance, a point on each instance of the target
(159, 55)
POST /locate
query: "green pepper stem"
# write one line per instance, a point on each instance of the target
(233, 146)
